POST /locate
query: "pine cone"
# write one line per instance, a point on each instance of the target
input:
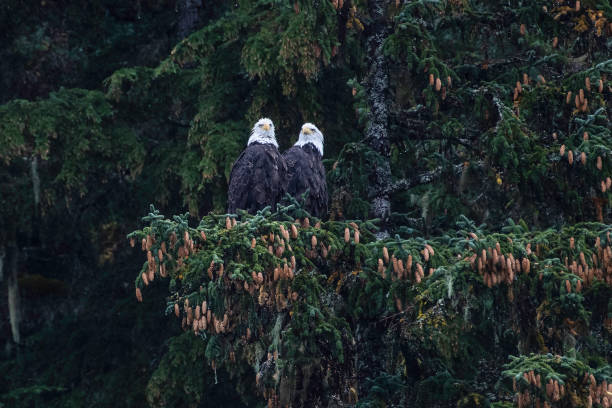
(284, 233)
(294, 232)
(526, 265)
(541, 78)
(420, 270)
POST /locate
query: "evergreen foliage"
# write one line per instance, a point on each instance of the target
(493, 287)
(289, 298)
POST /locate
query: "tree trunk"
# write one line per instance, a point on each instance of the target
(35, 182)
(369, 361)
(188, 16)
(35, 238)
(13, 292)
(377, 135)
(2, 255)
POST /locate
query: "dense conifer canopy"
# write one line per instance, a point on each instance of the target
(466, 257)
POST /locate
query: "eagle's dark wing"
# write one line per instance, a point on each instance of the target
(257, 179)
(305, 171)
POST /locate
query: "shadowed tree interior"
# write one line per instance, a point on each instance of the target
(466, 256)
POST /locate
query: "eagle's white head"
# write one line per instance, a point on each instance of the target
(311, 134)
(263, 132)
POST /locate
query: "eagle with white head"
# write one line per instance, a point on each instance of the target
(305, 171)
(258, 178)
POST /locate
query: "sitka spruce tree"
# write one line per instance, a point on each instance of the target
(467, 256)
(292, 310)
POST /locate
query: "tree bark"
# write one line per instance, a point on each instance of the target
(188, 16)
(13, 292)
(377, 132)
(35, 238)
(369, 361)
(35, 182)
(2, 255)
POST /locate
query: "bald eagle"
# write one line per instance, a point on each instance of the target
(305, 171)
(258, 177)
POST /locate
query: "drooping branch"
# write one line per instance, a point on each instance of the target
(419, 179)
(426, 178)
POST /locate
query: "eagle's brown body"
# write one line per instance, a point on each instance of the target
(305, 172)
(258, 179)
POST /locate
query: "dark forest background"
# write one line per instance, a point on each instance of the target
(441, 119)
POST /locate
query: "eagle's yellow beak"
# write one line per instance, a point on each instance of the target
(306, 130)
(266, 127)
